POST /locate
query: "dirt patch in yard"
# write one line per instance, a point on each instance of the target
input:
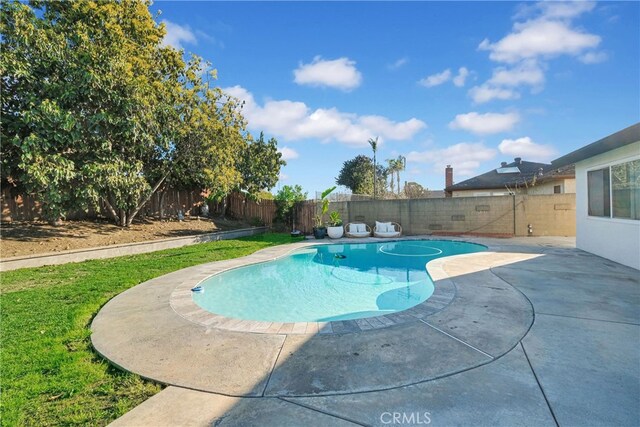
(30, 238)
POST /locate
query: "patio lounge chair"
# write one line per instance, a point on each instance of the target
(357, 229)
(387, 229)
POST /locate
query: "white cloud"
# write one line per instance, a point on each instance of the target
(526, 73)
(398, 64)
(502, 85)
(445, 76)
(527, 149)
(564, 10)
(177, 35)
(460, 79)
(339, 73)
(465, 157)
(540, 38)
(288, 153)
(484, 124)
(485, 93)
(546, 31)
(593, 57)
(292, 120)
(283, 176)
(436, 79)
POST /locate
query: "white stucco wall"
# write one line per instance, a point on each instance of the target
(481, 193)
(568, 186)
(612, 238)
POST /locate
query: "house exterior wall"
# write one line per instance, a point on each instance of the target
(568, 187)
(485, 192)
(612, 238)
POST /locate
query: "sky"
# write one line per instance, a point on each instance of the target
(470, 84)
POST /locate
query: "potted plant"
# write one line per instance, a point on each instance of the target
(320, 231)
(335, 230)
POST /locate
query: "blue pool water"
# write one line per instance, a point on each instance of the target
(330, 282)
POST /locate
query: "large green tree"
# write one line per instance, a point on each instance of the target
(96, 110)
(86, 86)
(260, 166)
(356, 174)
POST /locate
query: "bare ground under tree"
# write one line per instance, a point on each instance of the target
(30, 238)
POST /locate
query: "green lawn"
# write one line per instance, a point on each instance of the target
(49, 372)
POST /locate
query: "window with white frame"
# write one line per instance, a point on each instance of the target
(614, 191)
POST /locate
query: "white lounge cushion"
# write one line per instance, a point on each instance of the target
(384, 227)
(387, 233)
(358, 229)
(360, 234)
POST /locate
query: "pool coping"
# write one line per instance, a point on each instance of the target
(155, 342)
(182, 303)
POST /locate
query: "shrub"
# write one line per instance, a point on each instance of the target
(286, 200)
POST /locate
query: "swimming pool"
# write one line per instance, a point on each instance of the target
(330, 282)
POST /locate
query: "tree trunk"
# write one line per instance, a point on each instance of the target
(111, 211)
(163, 193)
(224, 207)
(132, 214)
(375, 174)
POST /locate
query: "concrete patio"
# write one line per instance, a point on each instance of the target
(531, 332)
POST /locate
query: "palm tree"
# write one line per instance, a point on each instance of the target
(374, 147)
(400, 165)
(391, 170)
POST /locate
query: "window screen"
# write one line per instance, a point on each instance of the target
(625, 190)
(598, 192)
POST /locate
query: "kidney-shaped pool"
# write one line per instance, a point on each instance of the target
(330, 282)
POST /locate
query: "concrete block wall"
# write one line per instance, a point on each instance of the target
(549, 215)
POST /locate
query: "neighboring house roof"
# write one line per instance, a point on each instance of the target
(619, 139)
(514, 175)
(554, 172)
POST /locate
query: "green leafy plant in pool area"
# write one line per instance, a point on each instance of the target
(49, 372)
(334, 219)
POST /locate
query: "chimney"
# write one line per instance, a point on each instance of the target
(448, 179)
(518, 160)
(503, 164)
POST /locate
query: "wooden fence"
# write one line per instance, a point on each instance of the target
(20, 207)
(257, 213)
(304, 213)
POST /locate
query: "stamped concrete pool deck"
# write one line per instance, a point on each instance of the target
(530, 332)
